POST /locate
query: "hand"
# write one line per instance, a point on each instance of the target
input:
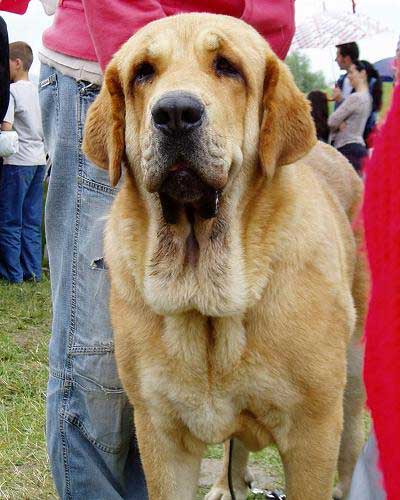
(50, 6)
(342, 126)
(337, 94)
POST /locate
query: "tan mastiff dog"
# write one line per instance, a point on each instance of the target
(237, 284)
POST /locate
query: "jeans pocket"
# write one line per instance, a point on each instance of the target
(102, 413)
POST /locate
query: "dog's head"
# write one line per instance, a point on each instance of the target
(187, 101)
(198, 108)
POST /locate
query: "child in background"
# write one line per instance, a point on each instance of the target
(21, 184)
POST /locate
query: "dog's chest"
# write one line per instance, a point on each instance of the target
(209, 410)
(203, 378)
(196, 376)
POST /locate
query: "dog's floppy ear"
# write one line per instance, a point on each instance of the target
(104, 137)
(287, 129)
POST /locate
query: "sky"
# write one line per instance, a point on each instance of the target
(31, 26)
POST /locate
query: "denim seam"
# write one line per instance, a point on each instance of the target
(91, 350)
(75, 244)
(59, 374)
(63, 434)
(74, 420)
(72, 328)
(99, 388)
(96, 186)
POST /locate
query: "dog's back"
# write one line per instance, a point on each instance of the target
(334, 170)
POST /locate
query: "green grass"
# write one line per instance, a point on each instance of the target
(25, 314)
(386, 98)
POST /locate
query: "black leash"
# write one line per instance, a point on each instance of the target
(230, 482)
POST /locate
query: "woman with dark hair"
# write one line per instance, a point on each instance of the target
(374, 83)
(348, 122)
(376, 91)
(320, 112)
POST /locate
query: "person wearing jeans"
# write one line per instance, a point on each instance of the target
(90, 428)
(21, 199)
(21, 182)
(90, 432)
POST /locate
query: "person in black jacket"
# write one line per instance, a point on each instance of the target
(4, 70)
(4, 74)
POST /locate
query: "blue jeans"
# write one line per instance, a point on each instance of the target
(21, 195)
(90, 432)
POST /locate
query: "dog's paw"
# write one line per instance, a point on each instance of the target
(220, 490)
(248, 477)
(217, 493)
(337, 493)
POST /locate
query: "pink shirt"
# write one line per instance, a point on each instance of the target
(94, 30)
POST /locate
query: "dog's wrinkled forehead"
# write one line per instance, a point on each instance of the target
(186, 38)
(166, 45)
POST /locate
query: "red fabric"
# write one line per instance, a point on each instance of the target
(94, 30)
(382, 362)
(15, 6)
(69, 33)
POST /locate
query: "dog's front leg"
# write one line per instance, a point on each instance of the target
(171, 458)
(309, 454)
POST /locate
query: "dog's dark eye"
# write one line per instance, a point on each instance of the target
(144, 72)
(224, 67)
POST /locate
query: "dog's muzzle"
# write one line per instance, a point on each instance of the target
(183, 186)
(179, 117)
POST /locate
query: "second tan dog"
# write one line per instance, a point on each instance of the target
(237, 285)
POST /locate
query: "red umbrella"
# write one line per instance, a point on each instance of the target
(15, 6)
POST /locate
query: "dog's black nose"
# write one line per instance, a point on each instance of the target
(177, 112)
